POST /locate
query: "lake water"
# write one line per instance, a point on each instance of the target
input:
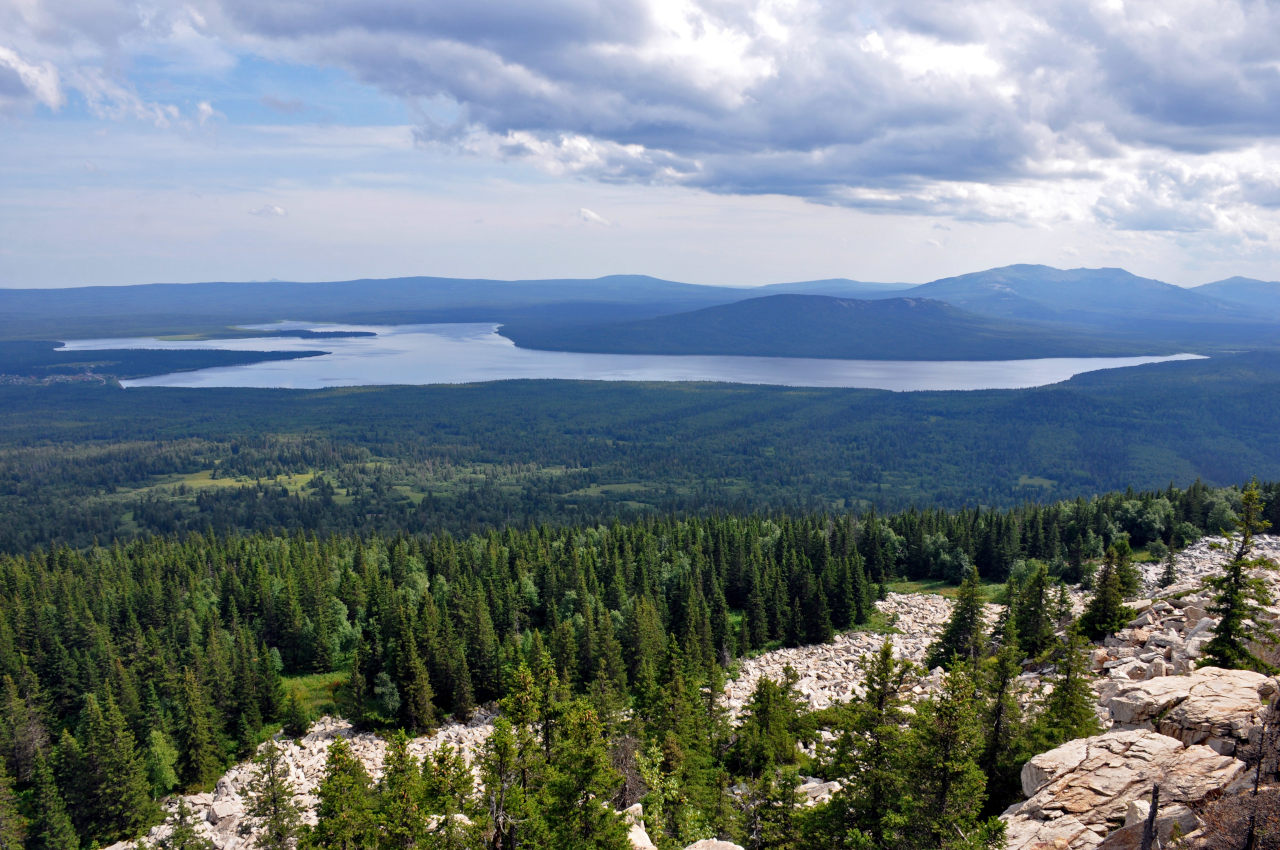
(468, 353)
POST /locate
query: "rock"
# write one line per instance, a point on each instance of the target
(713, 844)
(1209, 706)
(1129, 837)
(636, 834)
(1093, 780)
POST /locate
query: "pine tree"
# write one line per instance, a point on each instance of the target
(183, 835)
(51, 829)
(13, 826)
(579, 785)
(1240, 596)
(399, 799)
(200, 757)
(962, 638)
(948, 787)
(115, 777)
(345, 811)
(868, 755)
(1106, 612)
(271, 806)
(1068, 711)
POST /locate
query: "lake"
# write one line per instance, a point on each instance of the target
(473, 352)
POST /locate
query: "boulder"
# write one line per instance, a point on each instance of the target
(1091, 781)
(1129, 836)
(713, 844)
(1208, 706)
(636, 834)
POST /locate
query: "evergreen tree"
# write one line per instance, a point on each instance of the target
(868, 757)
(1106, 612)
(200, 757)
(447, 794)
(580, 783)
(400, 813)
(51, 828)
(184, 835)
(345, 808)
(297, 719)
(1032, 611)
(948, 786)
(1003, 725)
(13, 826)
(1169, 574)
(1068, 711)
(772, 812)
(511, 770)
(962, 638)
(119, 795)
(770, 726)
(1239, 595)
(271, 806)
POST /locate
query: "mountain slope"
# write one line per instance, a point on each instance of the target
(838, 287)
(1259, 295)
(822, 326)
(1095, 297)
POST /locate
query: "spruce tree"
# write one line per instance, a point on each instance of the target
(1068, 711)
(399, 800)
(200, 757)
(13, 826)
(51, 828)
(183, 835)
(580, 783)
(1169, 574)
(1106, 612)
(345, 808)
(271, 807)
(115, 776)
(962, 638)
(447, 795)
(1239, 595)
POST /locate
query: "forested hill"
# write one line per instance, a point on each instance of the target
(130, 671)
(792, 325)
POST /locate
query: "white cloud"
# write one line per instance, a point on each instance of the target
(592, 217)
(269, 211)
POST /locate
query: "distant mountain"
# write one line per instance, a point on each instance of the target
(1089, 297)
(823, 326)
(838, 287)
(1256, 294)
(175, 308)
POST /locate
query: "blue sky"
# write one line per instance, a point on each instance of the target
(711, 141)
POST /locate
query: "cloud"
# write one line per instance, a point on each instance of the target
(269, 211)
(992, 110)
(593, 217)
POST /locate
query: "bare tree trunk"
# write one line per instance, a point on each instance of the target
(1149, 829)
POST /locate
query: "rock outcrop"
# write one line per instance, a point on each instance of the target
(1081, 791)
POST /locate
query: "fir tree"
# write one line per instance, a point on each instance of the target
(297, 719)
(1106, 612)
(183, 834)
(770, 726)
(345, 811)
(1169, 574)
(1240, 596)
(962, 638)
(200, 757)
(13, 826)
(271, 806)
(447, 794)
(399, 807)
(579, 785)
(772, 812)
(1068, 711)
(51, 828)
(118, 792)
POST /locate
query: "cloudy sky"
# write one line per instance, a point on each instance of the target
(713, 141)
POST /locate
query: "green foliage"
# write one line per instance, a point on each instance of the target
(961, 640)
(117, 792)
(1106, 611)
(1068, 711)
(580, 782)
(346, 806)
(183, 834)
(1240, 595)
(297, 719)
(160, 758)
(271, 807)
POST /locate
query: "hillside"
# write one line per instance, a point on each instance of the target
(1247, 292)
(823, 326)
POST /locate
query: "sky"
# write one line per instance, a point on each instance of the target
(711, 141)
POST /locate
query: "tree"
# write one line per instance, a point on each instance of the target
(51, 827)
(345, 811)
(13, 826)
(271, 806)
(183, 835)
(297, 719)
(771, 815)
(399, 800)
(1068, 711)
(580, 783)
(961, 640)
(770, 726)
(868, 756)
(1106, 612)
(511, 768)
(119, 794)
(1169, 574)
(200, 759)
(446, 793)
(160, 758)
(1239, 595)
